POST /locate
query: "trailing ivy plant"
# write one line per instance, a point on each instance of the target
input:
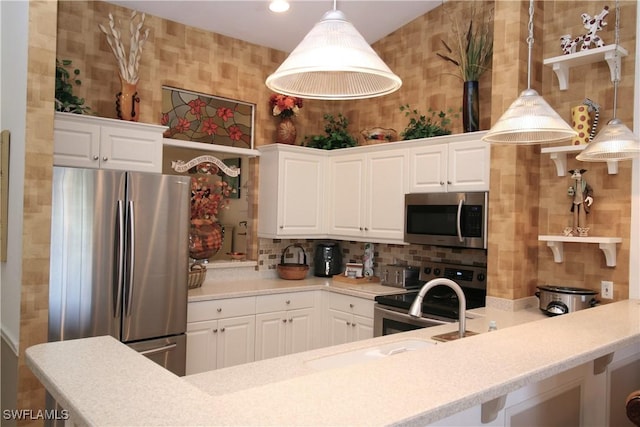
(336, 136)
(66, 101)
(426, 126)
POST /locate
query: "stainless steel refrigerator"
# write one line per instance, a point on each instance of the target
(119, 260)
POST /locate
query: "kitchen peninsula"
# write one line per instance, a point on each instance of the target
(103, 382)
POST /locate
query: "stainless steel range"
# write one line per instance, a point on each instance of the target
(440, 305)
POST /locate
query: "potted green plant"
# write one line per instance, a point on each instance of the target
(425, 126)
(336, 134)
(65, 100)
(471, 51)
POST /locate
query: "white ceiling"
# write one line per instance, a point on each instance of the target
(252, 21)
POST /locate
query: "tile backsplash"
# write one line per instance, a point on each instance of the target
(271, 251)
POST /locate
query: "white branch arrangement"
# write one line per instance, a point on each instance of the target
(128, 66)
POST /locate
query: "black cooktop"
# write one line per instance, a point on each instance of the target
(439, 301)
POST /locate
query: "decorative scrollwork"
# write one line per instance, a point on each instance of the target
(181, 166)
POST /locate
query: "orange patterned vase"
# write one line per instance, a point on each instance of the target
(581, 123)
(205, 238)
(286, 131)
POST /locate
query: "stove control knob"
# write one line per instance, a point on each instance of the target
(427, 270)
(481, 277)
(436, 271)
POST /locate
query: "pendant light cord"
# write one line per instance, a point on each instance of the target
(616, 78)
(530, 43)
(335, 4)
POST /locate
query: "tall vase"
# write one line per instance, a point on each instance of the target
(286, 131)
(471, 107)
(205, 238)
(128, 102)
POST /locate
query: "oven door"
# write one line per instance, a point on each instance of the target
(387, 321)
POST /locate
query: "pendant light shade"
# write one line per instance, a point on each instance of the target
(529, 119)
(334, 62)
(614, 142)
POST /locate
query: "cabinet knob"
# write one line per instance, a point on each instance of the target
(441, 182)
(288, 302)
(366, 229)
(95, 157)
(104, 159)
(351, 305)
(281, 227)
(448, 182)
(219, 310)
(348, 323)
(222, 330)
(360, 228)
(353, 325)
(290, 320)
(284, 320)
(215, 330)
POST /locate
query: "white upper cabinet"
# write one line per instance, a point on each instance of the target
(450, 165)
(291, 192)
(95, 142)
(366, 195)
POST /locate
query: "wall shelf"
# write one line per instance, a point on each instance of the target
(563, 63)
(607, 246)
(559, 157)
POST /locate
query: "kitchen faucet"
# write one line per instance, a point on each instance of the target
(416, 307)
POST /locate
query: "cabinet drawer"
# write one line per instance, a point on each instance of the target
(350, 304)
(218, 309)
(288, 301)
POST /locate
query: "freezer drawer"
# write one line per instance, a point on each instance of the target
(169, 352)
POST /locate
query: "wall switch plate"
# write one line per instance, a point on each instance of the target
(607, 289)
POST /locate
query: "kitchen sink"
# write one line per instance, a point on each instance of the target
(367, 354)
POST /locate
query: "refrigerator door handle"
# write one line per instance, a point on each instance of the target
(131, 251)
(119, 276)
(162, 349)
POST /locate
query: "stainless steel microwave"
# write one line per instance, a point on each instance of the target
(446, 219)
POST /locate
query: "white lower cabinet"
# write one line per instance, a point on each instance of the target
(220, 333)
(349, 319)
(285, 323)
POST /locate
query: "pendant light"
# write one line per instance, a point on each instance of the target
(615, 141)
(333, 62)
(529, 119)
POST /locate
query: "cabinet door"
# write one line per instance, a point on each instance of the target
(339, 327)
(130, 149)
(386, 179)
(76, 144)
(270, 334)
(236, 341)
(427, 169)
(301, 194)
(299, 332)
(346, 195)
(201, 346)
(469, 166)
(362, 328)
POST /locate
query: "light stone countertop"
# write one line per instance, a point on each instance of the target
(104, 382)
(241, 288)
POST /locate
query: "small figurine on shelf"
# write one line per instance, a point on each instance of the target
(592, 24)
(582, 194)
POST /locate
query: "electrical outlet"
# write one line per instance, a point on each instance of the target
(607, 289)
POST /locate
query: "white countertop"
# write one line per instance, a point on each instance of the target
(103, 382)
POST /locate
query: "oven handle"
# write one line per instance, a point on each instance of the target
(458, 225)
(399, 316)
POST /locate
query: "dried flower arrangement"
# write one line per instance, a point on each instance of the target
(473, 49)
(285, 106)
(127, 64)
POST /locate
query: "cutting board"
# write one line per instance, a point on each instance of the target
(356, 281)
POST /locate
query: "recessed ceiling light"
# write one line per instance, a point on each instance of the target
(279, 6)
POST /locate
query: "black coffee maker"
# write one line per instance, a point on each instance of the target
(327, 260)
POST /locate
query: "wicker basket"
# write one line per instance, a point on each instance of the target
(197, 273)
(292, 271)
